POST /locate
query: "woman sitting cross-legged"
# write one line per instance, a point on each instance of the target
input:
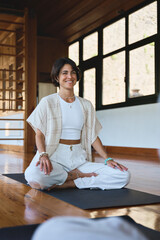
(66, 127)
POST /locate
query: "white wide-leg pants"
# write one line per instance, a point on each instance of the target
(67, 158)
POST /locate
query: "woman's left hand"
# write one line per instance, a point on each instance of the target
(113, 164)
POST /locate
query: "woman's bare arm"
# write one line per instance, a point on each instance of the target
(97, 145)
(45, 163)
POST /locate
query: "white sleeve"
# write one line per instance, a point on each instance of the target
(38, 118)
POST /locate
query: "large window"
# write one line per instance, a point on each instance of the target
(120, 60)
(114, 36)
(113, 90)
(89, 85)
(142, 71)
(74, 52)
(90, 46)
(143, 23)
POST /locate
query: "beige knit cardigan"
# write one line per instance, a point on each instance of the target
(47, 118)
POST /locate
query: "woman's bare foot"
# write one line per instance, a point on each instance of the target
(72, 175)
(75, 173)
(67, 184)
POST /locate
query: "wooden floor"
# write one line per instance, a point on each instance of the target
(22, 205)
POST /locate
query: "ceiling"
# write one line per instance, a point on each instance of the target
(70, 19)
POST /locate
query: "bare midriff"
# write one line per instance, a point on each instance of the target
(69, 141)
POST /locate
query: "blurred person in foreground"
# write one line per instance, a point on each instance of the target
(112, 228)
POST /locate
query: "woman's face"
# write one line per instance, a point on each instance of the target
(67, 77)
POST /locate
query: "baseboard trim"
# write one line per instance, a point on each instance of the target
(146, 152)
(13, 148)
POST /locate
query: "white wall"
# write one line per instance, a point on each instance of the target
(137, 126)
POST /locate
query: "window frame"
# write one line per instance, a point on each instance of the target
(97, 61)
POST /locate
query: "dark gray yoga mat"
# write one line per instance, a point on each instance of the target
(95, 199)
(25, 232)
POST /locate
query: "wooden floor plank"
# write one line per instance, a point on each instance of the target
(21, 205)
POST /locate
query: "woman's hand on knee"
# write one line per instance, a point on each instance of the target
(113, 164)
(45, 165)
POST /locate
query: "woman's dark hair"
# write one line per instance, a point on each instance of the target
(59, 63)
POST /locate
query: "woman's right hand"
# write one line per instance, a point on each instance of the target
(45, 164)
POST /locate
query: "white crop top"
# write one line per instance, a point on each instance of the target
(72, 119)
